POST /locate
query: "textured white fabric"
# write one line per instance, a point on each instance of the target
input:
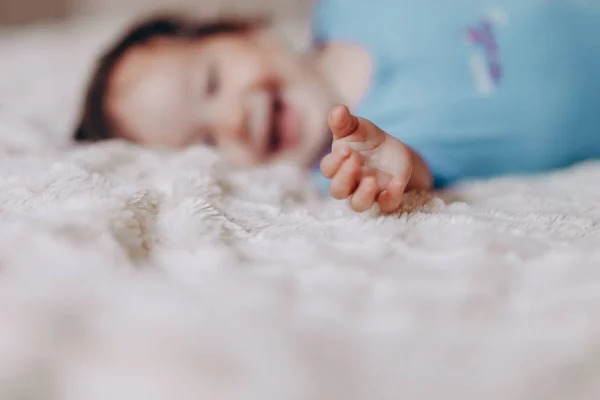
(135, 274)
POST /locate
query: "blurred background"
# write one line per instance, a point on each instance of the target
(24, 12)
(290, 17)
(13, 12)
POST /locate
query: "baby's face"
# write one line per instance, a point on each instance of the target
(242, 93)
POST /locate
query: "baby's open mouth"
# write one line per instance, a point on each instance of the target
(284, 127)
(274, 137)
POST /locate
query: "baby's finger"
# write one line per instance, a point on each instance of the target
(364, 196)
(341, 122)
(345, 180)
(332, 162)
(391, 198)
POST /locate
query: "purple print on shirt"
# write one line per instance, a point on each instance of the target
(482, 36)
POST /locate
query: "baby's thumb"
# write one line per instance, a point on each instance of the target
(341, 122)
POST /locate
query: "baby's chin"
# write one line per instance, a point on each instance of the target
(306, 157)
(292, 158)
(289, 158)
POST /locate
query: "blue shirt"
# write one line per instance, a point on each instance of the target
(479, 88)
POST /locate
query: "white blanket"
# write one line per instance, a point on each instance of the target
(133, 274)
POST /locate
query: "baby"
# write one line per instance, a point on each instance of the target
(448, 90)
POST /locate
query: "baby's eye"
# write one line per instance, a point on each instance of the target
(213, 81)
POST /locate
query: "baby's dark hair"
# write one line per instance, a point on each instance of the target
(96, 124)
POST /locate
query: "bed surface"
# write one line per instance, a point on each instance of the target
(127, 273)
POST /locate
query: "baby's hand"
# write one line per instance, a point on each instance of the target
(366, 164)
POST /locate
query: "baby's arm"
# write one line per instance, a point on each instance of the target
(369, 166)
